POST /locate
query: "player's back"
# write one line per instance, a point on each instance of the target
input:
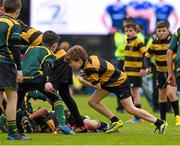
(9, 32)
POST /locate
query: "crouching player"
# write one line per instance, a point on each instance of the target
(104, 77)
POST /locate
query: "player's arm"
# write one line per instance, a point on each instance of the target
(171, 50)
(47, 67)
(14, 45)
(147, 59)
(87, 83)
(171, 77)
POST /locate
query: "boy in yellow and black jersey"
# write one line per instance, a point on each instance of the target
(106, 78)
(29, 35)
(159, 48)
(134, 52)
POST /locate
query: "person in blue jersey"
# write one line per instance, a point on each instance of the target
(117, 13)
(164, 11)
(142, 12)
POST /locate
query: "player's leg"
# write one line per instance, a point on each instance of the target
(171, 93)
(94, 102)
(64, 92)
(59, 110)
(130, 108)
(163, 103)
(11, 116)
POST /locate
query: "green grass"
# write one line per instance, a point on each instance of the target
(130, 134)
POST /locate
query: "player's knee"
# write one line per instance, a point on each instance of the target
(131, 110)
(91, 103)
(172, 95)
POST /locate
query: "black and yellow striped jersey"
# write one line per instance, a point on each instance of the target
(9, 35)
(158, 48)
(134, 52)
(31, 37)
(97, 70)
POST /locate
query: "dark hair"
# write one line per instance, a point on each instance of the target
(131, 25)
(1, 3)
(49, 38)
(75, 53)
(11, 6)
(23, 25)
(162, 23)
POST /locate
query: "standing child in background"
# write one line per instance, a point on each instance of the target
(104, 77)
(134, 52)
(10, 63)
(159, 48)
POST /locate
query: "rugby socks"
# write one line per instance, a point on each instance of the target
(11, 125)
(59, 110)
(102, 125)
(163, 110)
(175, 106)
(158, 122)
(114, 119)
(2, 119)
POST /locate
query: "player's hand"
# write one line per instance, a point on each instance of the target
(148, 70)
(171, 80)
(97, 86)
(142, 72)
(124, 68)
(19, 78)
(49, 87)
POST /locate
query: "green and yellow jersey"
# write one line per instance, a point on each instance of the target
(32, 63)
(175, 47)
(134, 52)
(97, 70)
(9, 34)
(158, 48)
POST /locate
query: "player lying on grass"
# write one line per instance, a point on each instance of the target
(43, 121)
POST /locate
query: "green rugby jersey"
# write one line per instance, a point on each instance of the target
(9, 31)
(175, 47)
(33, 61)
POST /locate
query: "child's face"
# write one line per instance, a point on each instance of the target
(54, 47)
(162, 33)
(76, 65)
(130, 32)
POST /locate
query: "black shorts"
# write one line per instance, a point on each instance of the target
(135, 81)
(122, 91)
(8, 76)
(161, 79)
(178, 83)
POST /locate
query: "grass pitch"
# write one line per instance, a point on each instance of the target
(129, 134)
